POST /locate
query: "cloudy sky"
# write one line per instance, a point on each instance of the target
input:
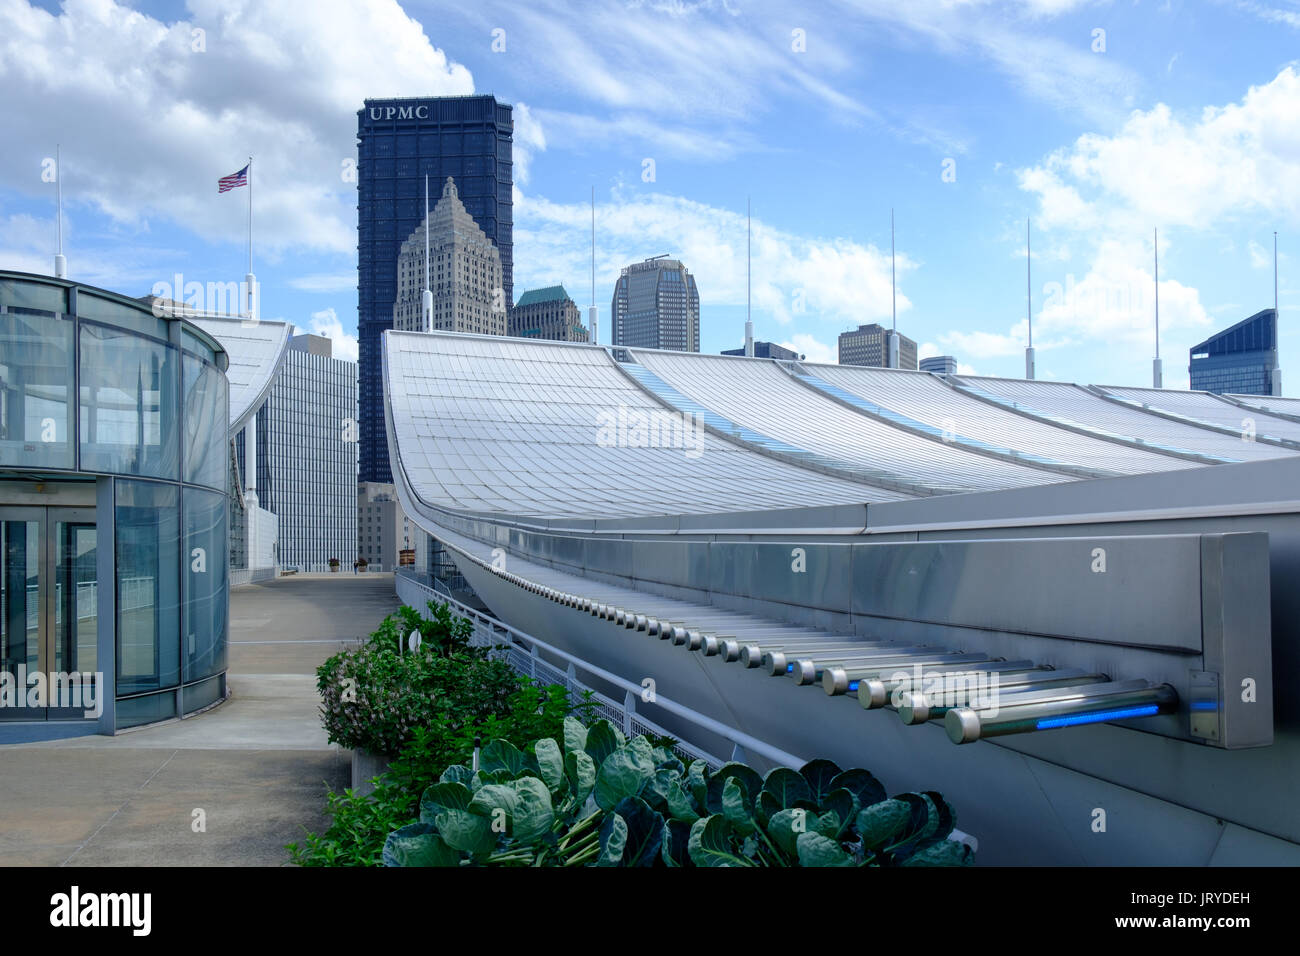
(1099, 121)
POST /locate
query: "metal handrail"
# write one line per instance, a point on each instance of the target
(736, 737)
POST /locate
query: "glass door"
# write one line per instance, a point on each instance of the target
(48, 614)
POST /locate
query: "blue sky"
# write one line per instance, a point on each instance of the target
(1181, 115)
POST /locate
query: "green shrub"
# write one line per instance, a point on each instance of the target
(361, 824)
(603, 800)
(377, 696)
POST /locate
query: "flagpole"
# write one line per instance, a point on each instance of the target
(250, 280)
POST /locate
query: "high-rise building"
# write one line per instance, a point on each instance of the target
(400, 141)
(548, 313)
(869, 345)
(383, 529)
(656, 306)
(1240, 360)
(463, 269)
(941, 364)
(769, 350)
(308, 455)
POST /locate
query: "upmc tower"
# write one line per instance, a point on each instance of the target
(400, 141)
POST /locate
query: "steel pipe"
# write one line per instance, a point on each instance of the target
(774, 658)
(808, 670)
(839, 680)
(916, 708)
(873, 692)
(1086, 705)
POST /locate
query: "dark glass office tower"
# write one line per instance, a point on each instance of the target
(399, 142)
(1240, 360)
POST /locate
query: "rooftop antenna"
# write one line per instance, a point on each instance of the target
(749, 325)
(1029, 304)
(427, 298)
(1157, 368)
(891, 356)
(60, 263)
(591, 311)
(1276, 385)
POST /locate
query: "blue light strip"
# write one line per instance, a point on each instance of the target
(1098, 717)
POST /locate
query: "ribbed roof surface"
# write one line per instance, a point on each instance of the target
(1204, 407)
(256, 350)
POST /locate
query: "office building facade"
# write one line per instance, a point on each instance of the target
(383, 529)
(869, 345)
(462, 267)
(400, 141)
(307, 462)
(656, 305)
(548, 313)
(769, 350)
(1241, 360)
(939, 364)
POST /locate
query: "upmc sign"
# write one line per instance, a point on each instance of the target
(399, 112)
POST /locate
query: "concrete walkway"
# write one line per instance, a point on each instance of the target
(257, 766)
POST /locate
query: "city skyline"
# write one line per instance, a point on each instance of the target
(980, 139)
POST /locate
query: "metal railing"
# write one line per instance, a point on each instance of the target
(521, 651)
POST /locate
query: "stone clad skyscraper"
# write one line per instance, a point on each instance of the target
(656, 306)
(400, 141)
(464, 274)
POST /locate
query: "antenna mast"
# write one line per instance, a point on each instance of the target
(1029, 303)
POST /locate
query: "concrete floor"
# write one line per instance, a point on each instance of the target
(257, 766)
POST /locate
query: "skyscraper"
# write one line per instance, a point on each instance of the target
(942, 364)
(1240, 360)
(656, 306)
(548, 313)
(869, 345)
(463, 271)
(767, 350)
(400, 141)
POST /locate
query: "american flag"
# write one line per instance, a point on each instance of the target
(227, 183)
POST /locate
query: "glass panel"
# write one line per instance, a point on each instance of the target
(207, 411)
(148, 586)
(206, 584)
(28, 294)
(146, 710)
(35, 371)
(128, 404)
(76, 645)
(20, 613)
(201, 695)
(136, 318)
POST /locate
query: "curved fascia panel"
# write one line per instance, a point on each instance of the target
(757, 395)
(925, 398)
(256, 351)
(1208, 409)
(1074, 404)
(494, 425)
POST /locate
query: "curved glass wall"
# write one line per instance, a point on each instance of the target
(149, 430)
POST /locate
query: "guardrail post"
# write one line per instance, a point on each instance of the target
(738, 754)
(629, 708)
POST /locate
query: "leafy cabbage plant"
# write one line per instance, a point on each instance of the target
(600, 799)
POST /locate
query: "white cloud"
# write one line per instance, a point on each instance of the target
(326, 322)
(812, 349)
(326, 282)
(794, 277)
(148, 123)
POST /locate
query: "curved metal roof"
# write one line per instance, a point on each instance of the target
(256, 350)
(1210, 409)
(491, 424)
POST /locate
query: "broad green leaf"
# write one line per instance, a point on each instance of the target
(827, 824)
(680, 806)
(752, 782)
(533, 814)
(862, 785)
(845, 806)
(817, 850)
(879, 823)
(942, 853)
(946, 813)
(494, 797)
(785, 828)
(697, 776)
(710, 843)
(417, 844)
(613, 840)
(465, 831)
(443, 796)
(623, 774)
(736, 807)
(550, 763)
(581, 772)
(603, 738)
(457, 773)
(787, 787)
(820, 775)
(502, 755)
(575, 735)
(645, 832)
(676, 843)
